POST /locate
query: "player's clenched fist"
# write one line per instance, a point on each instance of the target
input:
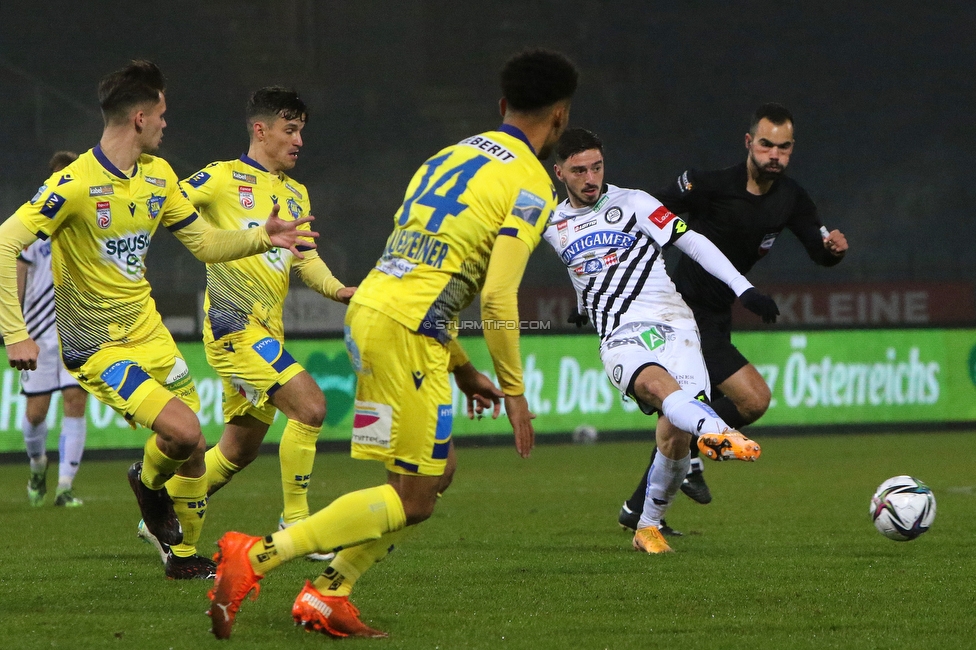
(23, 355)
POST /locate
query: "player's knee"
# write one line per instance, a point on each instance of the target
(418, 511)
(180, 429)
(754, 405)
(312, 411)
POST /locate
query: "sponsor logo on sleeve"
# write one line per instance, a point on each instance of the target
(155, 204)
(100, 190)
(245, 178)
(158, 182)
(198, 179)
(103, 214)
(613, 215)
(528, 207)
(767, 242)
(65, 178)
(246, 196)
(52, 205)
(661, 217)
(40, 191)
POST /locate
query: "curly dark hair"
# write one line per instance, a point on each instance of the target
(535, 79)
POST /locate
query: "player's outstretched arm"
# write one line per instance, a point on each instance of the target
(317, 276)
(700, 249)
(499, 313)
(21, 350)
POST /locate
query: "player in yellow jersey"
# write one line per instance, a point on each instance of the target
(471, 216)
(243, 331)
(100, 213)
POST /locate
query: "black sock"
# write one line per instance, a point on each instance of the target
(727, 411)
(636, 501)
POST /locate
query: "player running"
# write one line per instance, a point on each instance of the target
(742, 210)
(35, 287)
(100, 214)
(610, 240)
(242, 331)
(472, 214)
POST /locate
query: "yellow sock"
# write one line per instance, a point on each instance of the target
(351, 563)
(350, 520)
(219, 470)
(157, 467)
(189, 497)
(296, 454)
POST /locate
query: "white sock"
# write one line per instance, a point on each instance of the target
(663, 481)
(35, 438)
(688, 414)
(696, 466)
(70, 448)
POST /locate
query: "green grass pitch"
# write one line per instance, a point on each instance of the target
(527, 554)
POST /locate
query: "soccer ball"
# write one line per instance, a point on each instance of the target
(585, 434)
(902, 508)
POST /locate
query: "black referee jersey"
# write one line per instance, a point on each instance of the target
(744, 226)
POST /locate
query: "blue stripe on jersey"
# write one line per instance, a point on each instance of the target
(511, 232)
(302, 248)
(410, 467)
(182, 223)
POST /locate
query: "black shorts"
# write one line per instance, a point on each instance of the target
(721, 357)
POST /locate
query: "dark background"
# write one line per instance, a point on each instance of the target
(883, 96)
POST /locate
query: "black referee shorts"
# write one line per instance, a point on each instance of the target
(721, 357)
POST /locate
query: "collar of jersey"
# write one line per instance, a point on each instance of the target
(572, 213)
(517, 133)
(107, 164)
(253, 163)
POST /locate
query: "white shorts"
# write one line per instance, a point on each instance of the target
(51, 375)
(633, 346)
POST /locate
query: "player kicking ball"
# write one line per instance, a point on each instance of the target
(611, 240)
(100, 214)
(243, 332)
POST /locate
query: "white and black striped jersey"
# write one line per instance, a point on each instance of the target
(612, 251)
(39, 291)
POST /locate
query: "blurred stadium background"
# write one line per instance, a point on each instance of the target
(879, 93)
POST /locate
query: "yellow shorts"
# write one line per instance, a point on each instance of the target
(404, 410)
(138, 379)
(252, 365)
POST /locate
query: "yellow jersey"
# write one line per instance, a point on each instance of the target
(455, 206)
(239, 194)
(100, 223)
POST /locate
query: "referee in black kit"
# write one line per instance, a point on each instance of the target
(742, 209)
